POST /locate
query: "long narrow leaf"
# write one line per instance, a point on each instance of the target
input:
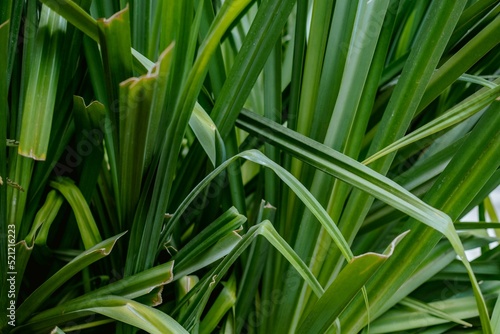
(86, 223)
(129, 287)
(43, 292)
(346, 169)
(286, 177)
(464, 110)
(118, 308)
(42, 86)
(349, 282)
(204, 289)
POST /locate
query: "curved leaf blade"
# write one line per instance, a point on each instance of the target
(349, 283)
(86, 223)
(83, 260)
(299, 189)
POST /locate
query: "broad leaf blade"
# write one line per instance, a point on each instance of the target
(349, 283)
(42, 86)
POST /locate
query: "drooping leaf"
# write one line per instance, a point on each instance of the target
(86, 223)
(35, 300)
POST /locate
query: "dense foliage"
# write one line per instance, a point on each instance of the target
(270, 166)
